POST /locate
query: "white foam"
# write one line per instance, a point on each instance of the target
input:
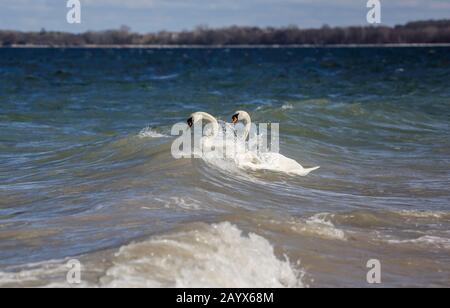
(165, 77)
(40, 275)
(218, 255)
(148, 132)
(428, 240)
(287, 107)
(423, 214)
(320, 225)
(185, 203)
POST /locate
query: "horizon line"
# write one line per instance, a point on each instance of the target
(247, 46)
(207, 27)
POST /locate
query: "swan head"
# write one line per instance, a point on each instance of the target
(240, 116)
(194, 118)
(190, 122)
(200, 116)
(235, 118)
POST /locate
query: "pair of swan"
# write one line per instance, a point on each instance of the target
(238, 116)
(249, 159)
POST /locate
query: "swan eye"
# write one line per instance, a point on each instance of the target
(235, 118)
(190, 122)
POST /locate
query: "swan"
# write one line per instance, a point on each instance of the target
(211, 145)
(244, 117)
(200, 116)
(266, 161)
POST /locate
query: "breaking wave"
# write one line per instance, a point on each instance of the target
(211, 256)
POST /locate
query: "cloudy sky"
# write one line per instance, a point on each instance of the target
(154, 15)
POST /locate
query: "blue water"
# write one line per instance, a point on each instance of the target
(77, 178)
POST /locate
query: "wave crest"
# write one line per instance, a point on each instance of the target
(213, 256)
(149, 132)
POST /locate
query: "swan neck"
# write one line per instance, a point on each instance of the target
(213, 121)
(248, 126)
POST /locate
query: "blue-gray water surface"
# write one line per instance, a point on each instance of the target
(86, 169)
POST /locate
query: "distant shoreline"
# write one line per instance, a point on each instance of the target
(428, 33)
(223, 46)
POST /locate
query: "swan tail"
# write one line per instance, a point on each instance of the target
(308, 171)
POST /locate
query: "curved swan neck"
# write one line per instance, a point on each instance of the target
(245, 117)
(211, 119)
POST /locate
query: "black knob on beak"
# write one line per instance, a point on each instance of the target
(190, 122)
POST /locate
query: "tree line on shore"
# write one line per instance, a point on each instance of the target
(420, 32)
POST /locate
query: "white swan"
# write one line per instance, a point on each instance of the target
(245, 117)
(211, 146)
(200, 116)
(266, 161)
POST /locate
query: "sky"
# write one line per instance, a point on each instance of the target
(175, 15)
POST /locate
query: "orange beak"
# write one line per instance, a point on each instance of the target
(234, 119)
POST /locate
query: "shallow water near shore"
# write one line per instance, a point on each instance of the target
(86, 170)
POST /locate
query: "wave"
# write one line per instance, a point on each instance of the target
(424, 214)
(287, 107)
(164, 77)
(149, 132)
(217, 255)
(427, 240)
(418, 229)
(49, 274)
(387, 218)
(319, 224)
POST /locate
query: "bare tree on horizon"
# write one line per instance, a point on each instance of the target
(418, 32)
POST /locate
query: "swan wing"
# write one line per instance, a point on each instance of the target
(280, 163)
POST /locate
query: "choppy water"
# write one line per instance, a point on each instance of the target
(80, 176)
